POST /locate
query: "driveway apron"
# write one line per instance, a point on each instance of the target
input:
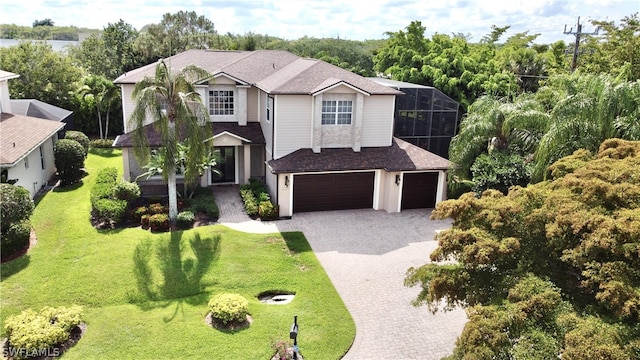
(366, 254)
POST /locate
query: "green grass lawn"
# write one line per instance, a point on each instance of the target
(145, 295)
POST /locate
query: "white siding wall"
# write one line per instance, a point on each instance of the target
(266, 125)
(377, 127)
(35, 177)
(253, 104)
(293, 124)
(127, 106)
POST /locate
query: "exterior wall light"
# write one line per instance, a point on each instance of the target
(398, 179)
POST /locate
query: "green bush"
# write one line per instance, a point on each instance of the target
(15, 238)
(257, 201)
(185, 220)
(267, 211)
(250, 202)
(80, 137)
(113, 209)
(15, 204)
(107, 175)
(159, 222)
(138, 212)
(69, 160)
(32, 332)
(205, 205)
(128, 191)
(101, 143)
(228, 308)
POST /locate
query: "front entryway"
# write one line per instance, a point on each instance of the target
(336, 191)
(226, 167)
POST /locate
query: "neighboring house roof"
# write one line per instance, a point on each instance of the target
(5, 75)
(400, 156)
(39, 109)
(20, 135)
(398, 84)
(274, 71)
(252, 132)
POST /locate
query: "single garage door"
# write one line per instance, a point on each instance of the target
(419, 190)
(320, 192)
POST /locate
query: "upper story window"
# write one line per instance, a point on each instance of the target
(42, 159)
(269, 108)
(337, 112)
(221, 102)
(26, 162)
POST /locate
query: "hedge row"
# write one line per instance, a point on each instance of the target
(257, 201)
(110, 197)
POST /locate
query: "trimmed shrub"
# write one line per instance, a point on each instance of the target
(15, 204)
(144, 221)
(101, 143)
(267, 211)
(159, 222)
(15, 238)
(205, 205)
(157, 208)
(185, 220)
(128, 191)
(32, 332)
(250, 202)
(80, 137)
(110, 209)
(69, 160)
(229, 307)
(138, 212)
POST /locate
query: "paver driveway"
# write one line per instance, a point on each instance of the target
(366, 254)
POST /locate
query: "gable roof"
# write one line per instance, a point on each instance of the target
(20, 135)
(5, 75)
(39, 109)
(274, 71)
(400, 156)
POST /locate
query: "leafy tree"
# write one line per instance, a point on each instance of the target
(45, 22)
(499, 170)
(171, 102)
(104, 93)
(556, 261)
(44, 74)
(119, 41)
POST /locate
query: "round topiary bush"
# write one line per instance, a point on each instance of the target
(128, 191)
(80, 137)
(159, 222)
(185, 220)
(15, 238)
(15, 204)
(69, 159)
(227, 308)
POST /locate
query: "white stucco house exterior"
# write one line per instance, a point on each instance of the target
(26, 143)
(320, 137)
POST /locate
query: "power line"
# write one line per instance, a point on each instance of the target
(578, 33)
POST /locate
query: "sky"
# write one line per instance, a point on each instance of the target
(351, 20)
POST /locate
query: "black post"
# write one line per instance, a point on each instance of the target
(293, 334)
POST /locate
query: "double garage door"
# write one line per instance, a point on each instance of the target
(340, 191)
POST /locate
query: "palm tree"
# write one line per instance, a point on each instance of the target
(176, 110)
(496, 124)
(591, 109)
(103, 92)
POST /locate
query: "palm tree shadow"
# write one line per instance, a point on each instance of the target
(170, 270)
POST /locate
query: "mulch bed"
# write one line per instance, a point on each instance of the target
(231, 326)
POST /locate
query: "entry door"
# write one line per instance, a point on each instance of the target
(226, 167)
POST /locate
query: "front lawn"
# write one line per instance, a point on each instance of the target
(145, 295)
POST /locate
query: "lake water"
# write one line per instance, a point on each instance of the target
(56, 45)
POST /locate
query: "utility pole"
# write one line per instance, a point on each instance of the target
(578, 33)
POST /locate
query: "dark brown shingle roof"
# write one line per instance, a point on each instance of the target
(251, 132)
(400, 156)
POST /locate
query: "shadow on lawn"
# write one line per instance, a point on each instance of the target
(296, 242)
(14, 266)
(170, 270)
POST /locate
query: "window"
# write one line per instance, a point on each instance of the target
(26, 162)
(44, 165)
(221, 102)
(269, 108)
(337, 112)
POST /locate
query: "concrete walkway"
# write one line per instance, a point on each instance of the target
(366, 254)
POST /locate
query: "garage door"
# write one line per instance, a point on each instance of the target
(333, 191)
(419, 190)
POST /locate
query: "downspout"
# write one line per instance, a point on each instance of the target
(273, 147)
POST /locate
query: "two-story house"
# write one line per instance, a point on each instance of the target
(320, 136)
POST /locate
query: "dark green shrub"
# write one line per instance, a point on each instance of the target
(159, 222)
(113, 209)
(263, 196)
(201, 191)
(80, 137)
(128, 191)
(205, 205)
(228, 308)
(157, 208)
(106, 180)
(107, 175)
(144, 221)
(101, 143)
(15, 204)
(69, 160)
(185, 220)
(32, 332)
(15, 238)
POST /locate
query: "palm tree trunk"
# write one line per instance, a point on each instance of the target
(99, 121)
(173, 197)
